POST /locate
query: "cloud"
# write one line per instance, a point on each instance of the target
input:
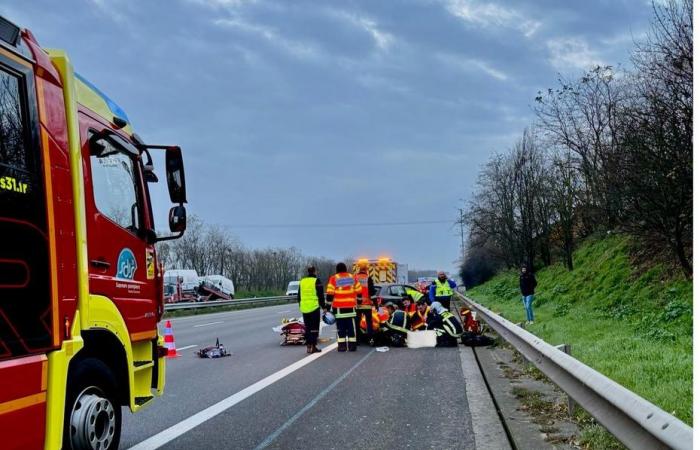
(382, 39)
(471, 64)
(568, 53)
(491, 15)
(299, 49)
(224, 4)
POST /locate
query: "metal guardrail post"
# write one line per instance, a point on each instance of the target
(636, 422)
(570, 403)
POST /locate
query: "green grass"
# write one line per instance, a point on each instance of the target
(634, 328)
(263, 293)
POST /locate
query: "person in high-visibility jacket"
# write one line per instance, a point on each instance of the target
(342, 294)
(419, 319)
(446, 325)
(416, 295)
(366, 303)
(396, 327)
(441, 290)
(310, 298)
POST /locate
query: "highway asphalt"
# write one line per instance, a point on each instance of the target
(403, 398)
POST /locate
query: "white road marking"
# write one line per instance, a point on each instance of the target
(186, 347)
(180, 428)
(264, 444)
(282, 312)
(206, 324)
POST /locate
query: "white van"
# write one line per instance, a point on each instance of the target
(221, 283)
(190, 280)
(292, 288)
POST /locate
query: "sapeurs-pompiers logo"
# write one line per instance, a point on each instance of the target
(126, 264)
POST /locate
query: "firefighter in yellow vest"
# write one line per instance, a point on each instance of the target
(342, 294)
(364, 306)
(310, 298)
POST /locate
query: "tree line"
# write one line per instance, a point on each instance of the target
(213, 250)
(609, 150)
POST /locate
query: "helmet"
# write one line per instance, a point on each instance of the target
(329, 318)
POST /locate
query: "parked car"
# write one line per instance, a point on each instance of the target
(391, 293)
(292, 288)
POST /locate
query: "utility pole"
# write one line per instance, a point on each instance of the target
(461, 228)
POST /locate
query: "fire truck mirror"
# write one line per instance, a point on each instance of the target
(178, 219)
(175, 171)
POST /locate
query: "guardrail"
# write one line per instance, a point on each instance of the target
(636, 422)
(214, 303)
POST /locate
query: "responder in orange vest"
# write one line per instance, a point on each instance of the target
(364, 307)
(342, 294)
(419, 319)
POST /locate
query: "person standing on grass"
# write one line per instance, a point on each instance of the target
(528, 282)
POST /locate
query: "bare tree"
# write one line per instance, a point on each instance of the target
(657, 175)
(564, 189)
(582, 115)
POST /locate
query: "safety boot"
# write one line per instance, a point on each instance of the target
(342, 346)
(315, 349)
(352, 346)
(309, 348)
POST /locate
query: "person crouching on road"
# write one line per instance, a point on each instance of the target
(364, 306)
(407, 305)
(446, 325)
(342, 294)
(396, 327)
(310, 298)
(441, 290)
(419, 319)
(528, 282)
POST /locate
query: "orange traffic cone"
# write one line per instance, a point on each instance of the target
(170, 341)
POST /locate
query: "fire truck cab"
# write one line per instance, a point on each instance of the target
(81, 292)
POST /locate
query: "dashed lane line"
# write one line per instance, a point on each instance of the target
(180, 428)
(207, 324)
(311, 404)
(186, 347)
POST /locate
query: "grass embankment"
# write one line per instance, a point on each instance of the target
(634, 328)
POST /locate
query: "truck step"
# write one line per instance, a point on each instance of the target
(141, 365)
(140, 401)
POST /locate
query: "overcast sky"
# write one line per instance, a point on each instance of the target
(311, 112)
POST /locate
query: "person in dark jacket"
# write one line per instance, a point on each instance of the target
(528, 282)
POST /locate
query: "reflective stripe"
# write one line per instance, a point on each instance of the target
(442, 289)
(363, 279)
(398, 321)
(345, 289)
(448, 324)
(309, 298)
(414, 294)
(343, 315)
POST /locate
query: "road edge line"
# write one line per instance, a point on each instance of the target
(182, 427)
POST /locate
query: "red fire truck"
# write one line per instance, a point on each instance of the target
(81, 291)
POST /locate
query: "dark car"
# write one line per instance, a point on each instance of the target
(391, 292)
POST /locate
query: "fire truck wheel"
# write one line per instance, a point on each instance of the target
(93, 415)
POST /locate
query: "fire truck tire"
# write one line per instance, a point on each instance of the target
(93, 415)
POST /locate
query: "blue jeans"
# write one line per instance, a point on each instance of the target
(527, 302)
